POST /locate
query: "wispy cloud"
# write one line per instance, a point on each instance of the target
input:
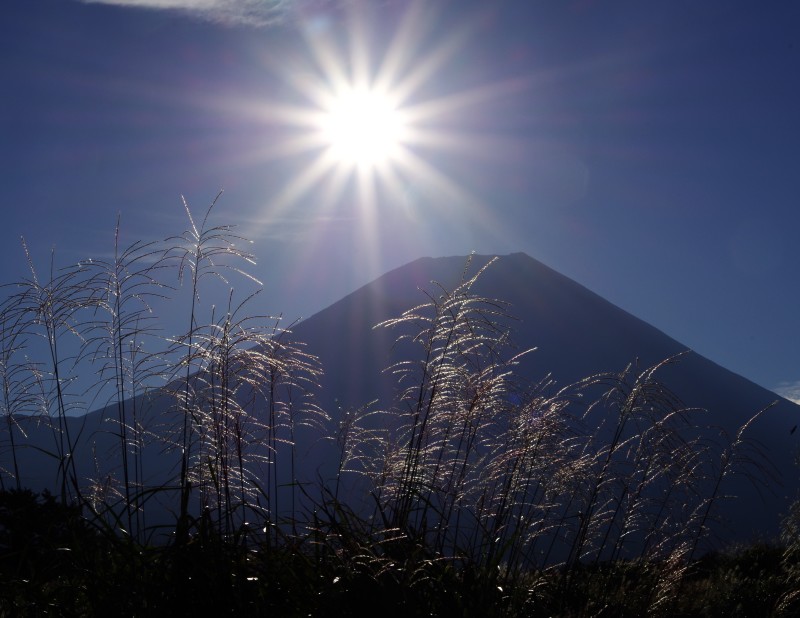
(790, 390)
(252, 12)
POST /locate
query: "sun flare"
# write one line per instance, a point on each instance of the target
(362, 128)
(375, 118)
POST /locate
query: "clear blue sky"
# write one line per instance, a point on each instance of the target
(648, 150)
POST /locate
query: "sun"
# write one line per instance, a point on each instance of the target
(375, 122)
(363, 128)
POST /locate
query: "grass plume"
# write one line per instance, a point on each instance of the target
(486, 494)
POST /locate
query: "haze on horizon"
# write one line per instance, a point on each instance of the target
(647, 150)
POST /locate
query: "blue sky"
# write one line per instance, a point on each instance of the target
(648, 150)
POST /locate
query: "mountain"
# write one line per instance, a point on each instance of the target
(575, 334)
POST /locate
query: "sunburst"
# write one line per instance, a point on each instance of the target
(364, 114)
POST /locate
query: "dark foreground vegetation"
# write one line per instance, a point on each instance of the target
(55, 562)
(471, 493)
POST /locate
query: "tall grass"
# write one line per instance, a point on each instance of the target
(525, 496)
(123, 288)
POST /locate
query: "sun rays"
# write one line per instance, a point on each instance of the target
(373, 120)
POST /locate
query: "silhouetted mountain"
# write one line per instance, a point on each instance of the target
(576, 334)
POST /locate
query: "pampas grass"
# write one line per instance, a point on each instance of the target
(487, 495)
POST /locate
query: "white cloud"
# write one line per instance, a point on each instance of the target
(253, 12)
(789, 390)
